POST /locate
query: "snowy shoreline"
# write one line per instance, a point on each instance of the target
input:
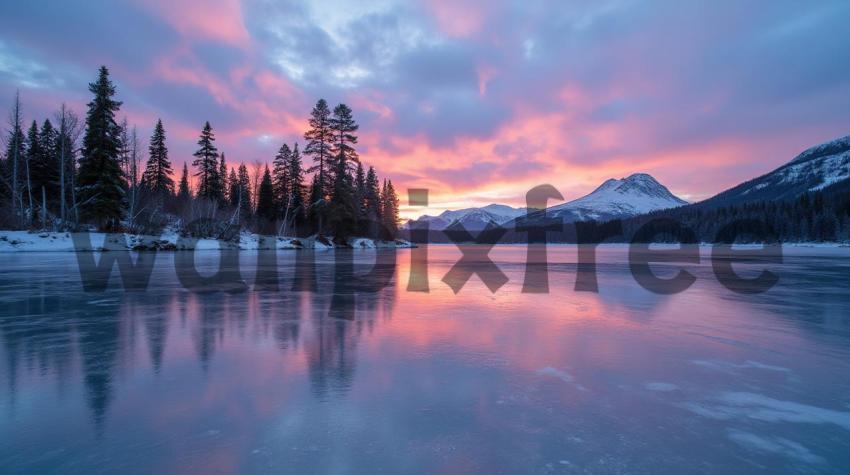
(25, 241)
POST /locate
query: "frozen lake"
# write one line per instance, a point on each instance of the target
(394, 381)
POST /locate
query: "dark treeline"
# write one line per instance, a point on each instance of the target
(811, 217)
(814, 216)
(68, 174)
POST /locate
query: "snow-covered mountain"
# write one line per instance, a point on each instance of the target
(472, 219)
(814, 169)
(614, 199)
(636, 194)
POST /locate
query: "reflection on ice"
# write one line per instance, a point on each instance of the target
(314, 374)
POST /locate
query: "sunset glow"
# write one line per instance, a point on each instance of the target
(476, 102)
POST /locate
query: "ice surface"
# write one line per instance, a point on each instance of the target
(327, 378)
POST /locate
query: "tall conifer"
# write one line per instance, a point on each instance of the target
(157, 174)
(296, 189)
(389, 209)
(222, 176)
(344, 131)
(266, 209)
(100, 179)
(206, 161)
(280, 177)
(183, 191)
(244, 190)
(320, 139)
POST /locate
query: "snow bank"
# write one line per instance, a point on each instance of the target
(24, 241)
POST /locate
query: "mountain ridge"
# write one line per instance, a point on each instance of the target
(638, 193)
(814, 169)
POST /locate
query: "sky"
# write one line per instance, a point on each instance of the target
(477, 101)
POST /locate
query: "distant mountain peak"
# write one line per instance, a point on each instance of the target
(635, 194)
(472, 219)
(646, 184)
(635, 184)
(643, 179)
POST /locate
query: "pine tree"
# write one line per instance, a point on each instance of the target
(281, 177)
(157, 175)
(342, 211)
(244, 191)
(184, 194)
(48, 137)
(360, 189)
(100, 179)
(319, 139)
(360, 198)
(372, 200)
(5, 187)
(317, 205)
(31, 160)
(389, 205)
(296, 189)
(233, 189)
(45, 169)
(206, 160)
(372, 195)
(266, 208)
(344, 128)
(222, 174)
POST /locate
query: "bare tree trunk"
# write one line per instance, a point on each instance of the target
(285, 224)
(63, 132)
(29, 191)
(133, 174)
(239, 206)
(68, 135)
(43, 208)
(74, 199)
(62, 170)
(15, 121)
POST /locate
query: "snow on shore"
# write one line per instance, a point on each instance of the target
(24, 241)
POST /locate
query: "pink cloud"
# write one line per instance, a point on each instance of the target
(371, 102)
(217, 20)
(458, 18)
